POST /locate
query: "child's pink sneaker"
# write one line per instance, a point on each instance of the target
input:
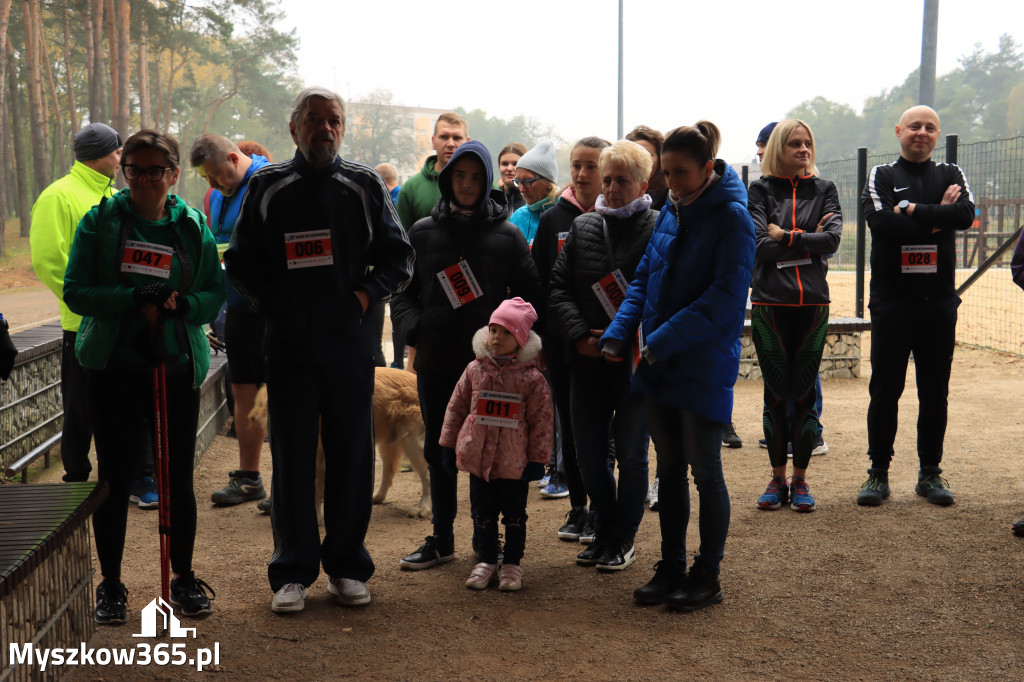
(511, 578)
(482, 576)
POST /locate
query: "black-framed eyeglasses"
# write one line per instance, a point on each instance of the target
(153, 173)
(529, 183)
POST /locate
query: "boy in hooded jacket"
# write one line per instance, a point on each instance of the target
(469, 259)
(499, 426)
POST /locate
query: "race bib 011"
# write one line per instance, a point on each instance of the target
(459, 284)
(611, 291)
(311, 249)
(494, 408)
(145, 258)
(919, 258)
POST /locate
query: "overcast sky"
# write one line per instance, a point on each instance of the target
(737, 63)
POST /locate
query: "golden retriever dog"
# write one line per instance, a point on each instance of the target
(397, 430)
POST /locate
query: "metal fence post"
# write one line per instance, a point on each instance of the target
(746, 175)
(862, 178)
(951, 141)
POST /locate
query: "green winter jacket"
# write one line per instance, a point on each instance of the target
(114, 333)
(418, 195)
(55, 218)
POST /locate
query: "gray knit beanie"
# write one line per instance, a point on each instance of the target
(541, 160)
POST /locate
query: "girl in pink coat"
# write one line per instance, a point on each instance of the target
(499, 427)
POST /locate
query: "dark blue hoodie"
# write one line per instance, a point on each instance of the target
(444, 180)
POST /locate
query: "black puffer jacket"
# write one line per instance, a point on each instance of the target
(583, 261)
(792, 272)
(500, 260)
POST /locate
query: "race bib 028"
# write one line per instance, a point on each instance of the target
(145, 258)
(311, 249)
(919, 258)
(459, 284)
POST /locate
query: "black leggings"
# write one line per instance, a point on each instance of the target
(122, 408)
(789, 341)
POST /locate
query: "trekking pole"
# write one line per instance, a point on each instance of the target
(160, 451)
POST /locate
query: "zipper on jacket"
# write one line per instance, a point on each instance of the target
(796, 268)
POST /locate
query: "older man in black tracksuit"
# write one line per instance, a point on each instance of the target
(317, 242)
(913, 207)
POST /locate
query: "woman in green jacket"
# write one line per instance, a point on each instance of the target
(144, 274)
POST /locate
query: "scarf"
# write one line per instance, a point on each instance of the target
(633, 207)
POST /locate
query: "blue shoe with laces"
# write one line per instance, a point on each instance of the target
(801, 498)
(775, 495)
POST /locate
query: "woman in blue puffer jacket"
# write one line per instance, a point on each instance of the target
(688, 300)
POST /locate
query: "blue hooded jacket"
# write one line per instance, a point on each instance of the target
(690, 293)
(444, 180)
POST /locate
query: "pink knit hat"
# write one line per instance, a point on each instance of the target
(517, 316)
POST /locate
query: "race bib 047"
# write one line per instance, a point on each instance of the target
(311, 249)
(145, 258)
(459, 284)
(494, 408)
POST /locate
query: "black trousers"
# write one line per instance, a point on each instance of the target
(121, 404)
(334, 399)
(435, 390)
(558, 378)
(74, 446)
(487, 499)
(926, 328)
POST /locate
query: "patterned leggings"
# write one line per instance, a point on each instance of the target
(789, 341)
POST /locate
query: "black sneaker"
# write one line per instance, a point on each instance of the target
(875, 489)
(669, 576)
(617, 556)
(239, 489)
(431, 553)
(1018, 528)
(730, 438)
(701, 589)
(589, 529)
(593, 552)
(189, 593)
(575, 520)
(111, 603)
(933, 486)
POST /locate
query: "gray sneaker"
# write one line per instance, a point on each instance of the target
(875, 489)
(349, 592)
(239, 489)
(289, 599)
(933, 486)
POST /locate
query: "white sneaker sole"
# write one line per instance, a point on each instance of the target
(361, 600)
(290, 607)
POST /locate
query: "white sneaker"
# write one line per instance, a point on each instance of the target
(652, 495)
(820, 447)
(289, 599)
(349, 592)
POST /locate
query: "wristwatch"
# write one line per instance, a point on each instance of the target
(903, 205)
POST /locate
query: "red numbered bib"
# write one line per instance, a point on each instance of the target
(145, 258)
(498, 409)
(459, 284)
(561, 240)
(611, 291)
(919, 258)
(311, 249)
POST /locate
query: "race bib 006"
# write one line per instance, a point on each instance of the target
(145, 258)
(311, 249)
(919, 258)
(611, 291)
(459, 284)
(498, 409)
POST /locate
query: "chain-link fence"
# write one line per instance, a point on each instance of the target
(992, 312)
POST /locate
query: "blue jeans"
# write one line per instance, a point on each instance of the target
(684, 439)
(598, 393)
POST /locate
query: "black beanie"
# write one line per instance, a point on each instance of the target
(95, 141)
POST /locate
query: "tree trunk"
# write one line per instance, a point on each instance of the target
(20, 165)
(85, 12)
(145, 111)
(72, 106)
(97, 86)
(40, 154)
(5, 17)
(124, 13)
(60, 145)
(112, 54)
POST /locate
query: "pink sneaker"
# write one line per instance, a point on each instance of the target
(482, 576)
(511, 578)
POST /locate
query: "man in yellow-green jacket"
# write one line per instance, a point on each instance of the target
(55, 218)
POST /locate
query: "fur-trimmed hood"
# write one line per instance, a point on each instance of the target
(527, 353)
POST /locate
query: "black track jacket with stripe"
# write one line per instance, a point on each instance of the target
(908, 260)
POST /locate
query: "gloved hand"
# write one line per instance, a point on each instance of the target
(448, 461)
(7, 350)
(155, 293)
(534, 471)
(181, 306)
